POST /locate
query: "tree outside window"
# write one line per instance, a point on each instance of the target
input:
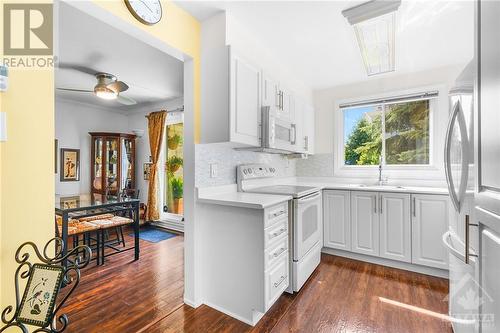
(398, 131)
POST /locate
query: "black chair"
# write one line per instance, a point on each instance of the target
(126, 193)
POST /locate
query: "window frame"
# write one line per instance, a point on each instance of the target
(398, 170)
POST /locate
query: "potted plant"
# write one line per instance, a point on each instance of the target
(174, 163)
(174, 141)
(177, 193)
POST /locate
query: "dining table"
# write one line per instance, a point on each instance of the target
(86, 205)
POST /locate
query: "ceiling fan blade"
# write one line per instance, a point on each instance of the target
(125, 100)
(76, 90)
(117, 86)
(79, 68)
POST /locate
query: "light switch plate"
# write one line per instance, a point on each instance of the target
(213, 170)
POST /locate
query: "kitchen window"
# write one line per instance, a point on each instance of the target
(393, 131)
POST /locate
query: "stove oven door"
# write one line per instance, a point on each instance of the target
(307, 224)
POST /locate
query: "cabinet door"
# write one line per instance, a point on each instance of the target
(365, 223)
(430, 214)
(308, 125)
(245, 102)
(395, 228)
(288, 105)
(270, 92)
(337, 219)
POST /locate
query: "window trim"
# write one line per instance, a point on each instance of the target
(367, 171)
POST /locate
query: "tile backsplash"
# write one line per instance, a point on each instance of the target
(227, 159)
(318, 165)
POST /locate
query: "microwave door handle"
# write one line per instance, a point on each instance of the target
(447, 164)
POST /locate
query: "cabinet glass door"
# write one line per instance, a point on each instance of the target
(98, 160)
(112, 153)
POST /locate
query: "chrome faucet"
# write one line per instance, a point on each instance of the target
(381, 181)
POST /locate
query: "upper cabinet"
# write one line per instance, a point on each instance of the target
(245, 102)
(234, 90)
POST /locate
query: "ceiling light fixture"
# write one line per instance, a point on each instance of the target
(103, 92)
(374, 25)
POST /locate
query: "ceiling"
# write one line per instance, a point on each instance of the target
(152, 76)
(317, 44)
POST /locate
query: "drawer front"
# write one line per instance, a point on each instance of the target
(275, 252)
(275, 232)
(276, 213)
(277, 280)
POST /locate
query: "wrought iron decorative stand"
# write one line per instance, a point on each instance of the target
(70, 279)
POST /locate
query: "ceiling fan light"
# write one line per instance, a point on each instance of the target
(105, 93)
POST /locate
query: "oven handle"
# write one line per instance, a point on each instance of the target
(309, 198)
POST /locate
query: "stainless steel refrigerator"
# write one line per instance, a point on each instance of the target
(472, 163)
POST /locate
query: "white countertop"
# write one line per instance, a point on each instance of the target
(228, 196)
(375, 188)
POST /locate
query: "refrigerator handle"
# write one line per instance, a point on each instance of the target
(447, 164)
(467, 238)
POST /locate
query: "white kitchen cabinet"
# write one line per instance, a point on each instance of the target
(430, 214)
(287, 110)
(245, 103)
(270, 91)
(395, 228)
(365, 223)
(230, 98)
(337, 219)
(304, 115)
(246, 256)
(308, 123)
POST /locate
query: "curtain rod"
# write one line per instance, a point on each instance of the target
(180, 109)
(400, 98)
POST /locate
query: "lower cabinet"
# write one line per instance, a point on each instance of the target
(430, 215)
(337, 217)
(365, 223)
(395, 228)
(398, 226)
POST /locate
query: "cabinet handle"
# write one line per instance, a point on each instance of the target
(277, 254)
(282, 278)
(294, 129)
(414, 207)
(467, 238)
(277, 233)
(381, 205)
(282, 100)
(281, 212)
(306, 142)
(375, 204)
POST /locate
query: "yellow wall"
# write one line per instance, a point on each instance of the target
(27, 158)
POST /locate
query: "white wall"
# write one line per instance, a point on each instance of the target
(73, 123)
(326, 102)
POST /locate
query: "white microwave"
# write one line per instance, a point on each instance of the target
(278, 135)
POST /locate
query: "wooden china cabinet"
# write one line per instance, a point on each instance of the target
(112, 162)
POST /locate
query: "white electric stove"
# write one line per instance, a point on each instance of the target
(305, 222)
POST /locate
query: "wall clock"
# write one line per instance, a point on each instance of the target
(145, 11)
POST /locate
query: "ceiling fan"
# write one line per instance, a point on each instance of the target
(107, 87)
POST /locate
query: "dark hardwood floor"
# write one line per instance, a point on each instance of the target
(342, 295)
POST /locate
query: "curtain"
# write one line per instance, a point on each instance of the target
(156, 129)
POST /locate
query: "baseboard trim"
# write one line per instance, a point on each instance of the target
(191, 303)
(235, 316)
(175, 226)
(388, 262)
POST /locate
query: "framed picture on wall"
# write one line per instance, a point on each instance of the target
(70, 165)
(147, 170)
(69, 202)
